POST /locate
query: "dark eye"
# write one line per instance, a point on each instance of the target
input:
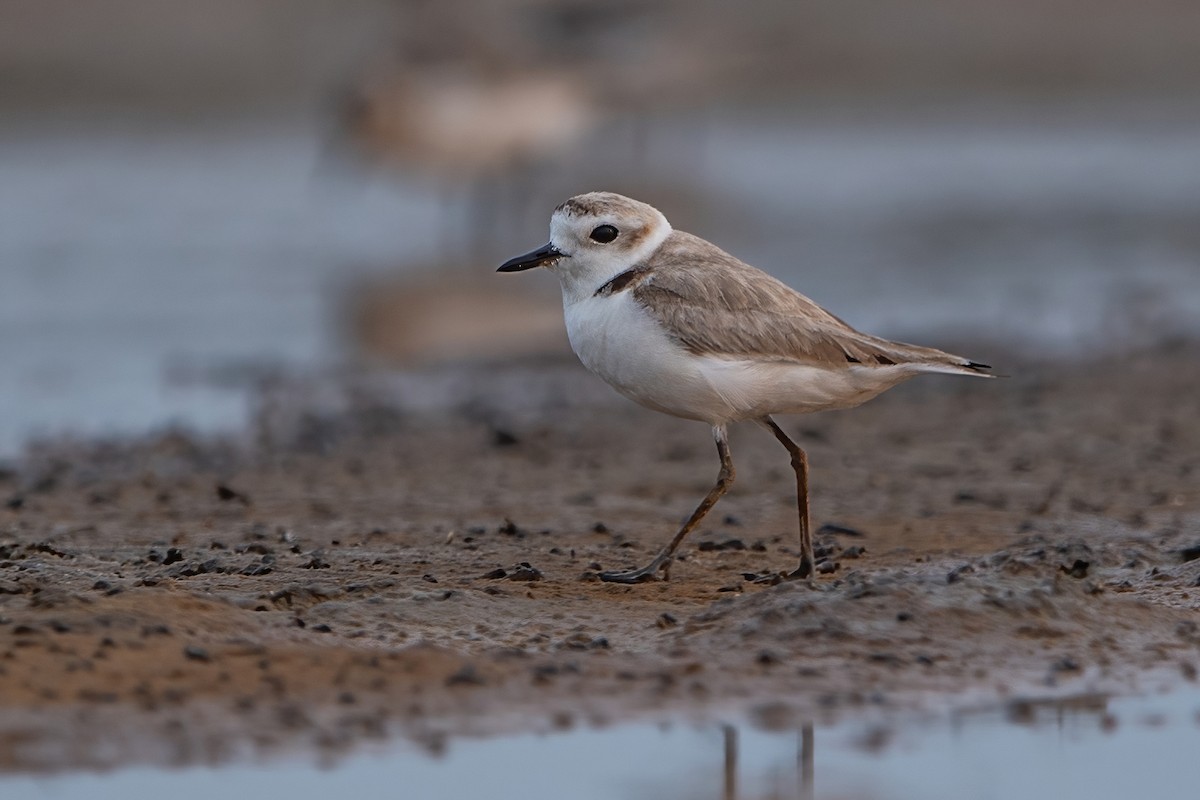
(604, 233)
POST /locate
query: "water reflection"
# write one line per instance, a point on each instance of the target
(1087, 747)
(805, 764)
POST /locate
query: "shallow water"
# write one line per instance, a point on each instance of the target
(137, 259)
(1089, 748)
(132, 258)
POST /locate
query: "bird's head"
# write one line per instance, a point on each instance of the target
(595, 237)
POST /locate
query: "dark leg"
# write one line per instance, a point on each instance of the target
(662, 561)
(808, 562)
(807, 771)
(731, 754)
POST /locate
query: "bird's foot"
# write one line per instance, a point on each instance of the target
(804, 572)
(646, 574)
(643, 575)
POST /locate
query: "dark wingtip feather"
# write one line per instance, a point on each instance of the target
(982, 369)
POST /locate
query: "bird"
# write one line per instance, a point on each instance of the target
(678, 325)
(481, 132)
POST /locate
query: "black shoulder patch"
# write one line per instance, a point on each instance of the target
(623, 281)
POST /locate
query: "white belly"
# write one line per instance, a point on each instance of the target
(618, 340)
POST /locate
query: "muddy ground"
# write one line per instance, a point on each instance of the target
(415, 554)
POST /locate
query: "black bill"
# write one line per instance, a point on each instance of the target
(546, 254)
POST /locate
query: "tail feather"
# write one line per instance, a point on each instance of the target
(953, 365)
(925, 359)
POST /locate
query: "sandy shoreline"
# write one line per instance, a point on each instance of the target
(351, 568)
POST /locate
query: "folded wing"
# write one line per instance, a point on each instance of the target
(714, 304)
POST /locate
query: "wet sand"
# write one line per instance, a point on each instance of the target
(415, 554)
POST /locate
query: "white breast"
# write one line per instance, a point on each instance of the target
(618, 340)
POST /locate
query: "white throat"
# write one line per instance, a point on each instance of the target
(581, 275)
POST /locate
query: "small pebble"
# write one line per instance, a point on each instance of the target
(465, 677)
(955, 575)
(1077, 570)
(226, 494)
(195, 653)
(830, 529)
(503, 438)
(726, 544)
(525, 572)
(510, 528)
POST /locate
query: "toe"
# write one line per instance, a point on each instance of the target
(632, 576)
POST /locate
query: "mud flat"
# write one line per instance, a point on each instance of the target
(415, 554)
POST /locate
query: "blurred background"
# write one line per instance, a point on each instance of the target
(197, 195)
